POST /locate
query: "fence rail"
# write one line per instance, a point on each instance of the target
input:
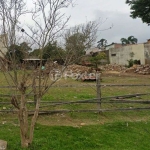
(99, 100)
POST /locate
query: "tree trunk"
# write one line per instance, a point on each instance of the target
(23, 120)
(34, 118)
(26, 135)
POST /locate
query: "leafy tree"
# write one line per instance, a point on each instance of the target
(35, 53)
(16, 52)
(50, 51)
(19, 52)
(140, 9)
(53, 52)
(124, 41)
(129, 40)
(78, 39)
(75, 46)
(132, 40)
(102, 43)
(25, 47)
(97, 59)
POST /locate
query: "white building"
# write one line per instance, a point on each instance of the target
(122, 55)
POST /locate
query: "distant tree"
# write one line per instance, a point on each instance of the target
(129, 40)
(140, 9)
(35, 53)
(25, 47)
(95, 60)
(132, 40)
(78, 39)
(124, 41)
(17, 52)
(53, 52)
(102, 43)
(75, 46)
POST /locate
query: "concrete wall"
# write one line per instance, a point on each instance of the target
(147, 53)
(115, 45)
(92, 50)
(121, 55)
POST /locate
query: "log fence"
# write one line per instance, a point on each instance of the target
(99, 100)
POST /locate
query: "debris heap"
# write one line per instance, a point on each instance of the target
(79, 69)
(140, 69)
(115, 67)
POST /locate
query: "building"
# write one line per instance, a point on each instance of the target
(113, 45)
(92, 50)
(138, 52)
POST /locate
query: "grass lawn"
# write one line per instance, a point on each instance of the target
(109, 136)
(85, 131)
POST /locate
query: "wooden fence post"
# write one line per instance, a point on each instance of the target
(98, 85)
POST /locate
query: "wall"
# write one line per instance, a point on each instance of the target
(110, 47)
(147, 53)
(121, 55)
(92, 50)
(115, 45)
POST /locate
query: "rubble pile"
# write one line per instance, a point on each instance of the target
(139, 69)
(109, 67)
(78, 69)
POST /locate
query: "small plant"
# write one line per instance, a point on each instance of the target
(130, 63)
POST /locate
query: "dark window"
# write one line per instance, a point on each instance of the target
(113, 54)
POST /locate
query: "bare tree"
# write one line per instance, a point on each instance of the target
(48, 21)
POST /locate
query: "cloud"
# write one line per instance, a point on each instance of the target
(123, 27)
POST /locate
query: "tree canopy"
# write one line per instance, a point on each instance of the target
(95, 60)
(19, 52)
(51, 51)
(102, 43)
(129, 40)
(140, 9)
(78, 39)
(75, 46)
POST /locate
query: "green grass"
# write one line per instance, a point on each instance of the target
(109, 136)
(104, 131)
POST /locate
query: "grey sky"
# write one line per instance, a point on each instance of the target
(116, 12)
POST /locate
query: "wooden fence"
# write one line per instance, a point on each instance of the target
(99, 100)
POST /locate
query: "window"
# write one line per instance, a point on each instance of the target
(113, 54)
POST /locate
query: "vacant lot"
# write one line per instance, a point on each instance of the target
(87, 130)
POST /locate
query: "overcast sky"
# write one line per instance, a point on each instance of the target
(116, 13)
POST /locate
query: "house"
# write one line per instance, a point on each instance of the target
(33, 63)
(138, 52)
(92, 50)
(113, 45)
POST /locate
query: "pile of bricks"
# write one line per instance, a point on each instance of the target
(139, 69)
(79, 69)
(109, 67)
